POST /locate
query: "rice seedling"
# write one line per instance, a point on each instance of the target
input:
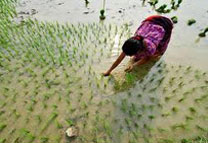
(202, 139)
(2, 140)
(132, 113)
(2, 112)
(153, 2)
(167, 98)
(187, 93)
(191, 21)
(151, 117)
(102, 14)
(49, 121)
(153, 89)
(30, 108)
(167, 141)
(39, 119)
(201, 128)
(124, 105)
(127, 121)
(175, 109)
(85, 106)
(181, 126)
(45, 106)
(165, 114)
(181, 99)
(59, 98)
(2, 126)
(17, 115)
(58, 139)
(27, 120)
(27, 134)
(58, 125)
(44, 139)
(70, 122)
(3, 104)
(161, 130)
(174, 19)
(203, 33)
(192, 110)
(203, 97)
(139, 95)
(162, 9)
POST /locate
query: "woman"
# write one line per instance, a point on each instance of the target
(149, 41)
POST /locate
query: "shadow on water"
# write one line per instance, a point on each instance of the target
(124, 81)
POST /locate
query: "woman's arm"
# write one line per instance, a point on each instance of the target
(115, 64)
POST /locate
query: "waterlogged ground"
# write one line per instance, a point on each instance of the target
(50, 79)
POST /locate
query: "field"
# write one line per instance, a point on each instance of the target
(50, 80)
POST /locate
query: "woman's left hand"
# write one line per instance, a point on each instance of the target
(129, 69)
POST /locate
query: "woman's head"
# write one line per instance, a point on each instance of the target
(133, 45)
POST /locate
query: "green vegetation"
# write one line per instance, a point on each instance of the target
(174, 19)
(153, 2)
(203, 33)
(2, 127)
(191, 21)
(163, 9)
(102, 14)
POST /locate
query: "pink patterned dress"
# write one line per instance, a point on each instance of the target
(156, 36)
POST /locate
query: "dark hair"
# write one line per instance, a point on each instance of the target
(132, 46)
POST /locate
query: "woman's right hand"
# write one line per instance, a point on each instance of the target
(130, 68)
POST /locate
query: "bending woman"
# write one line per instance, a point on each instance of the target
(149, 41)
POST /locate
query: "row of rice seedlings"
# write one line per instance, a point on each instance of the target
(39, 119)
(26, 134)
(51, 118)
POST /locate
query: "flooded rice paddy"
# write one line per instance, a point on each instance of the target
(50, 75)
